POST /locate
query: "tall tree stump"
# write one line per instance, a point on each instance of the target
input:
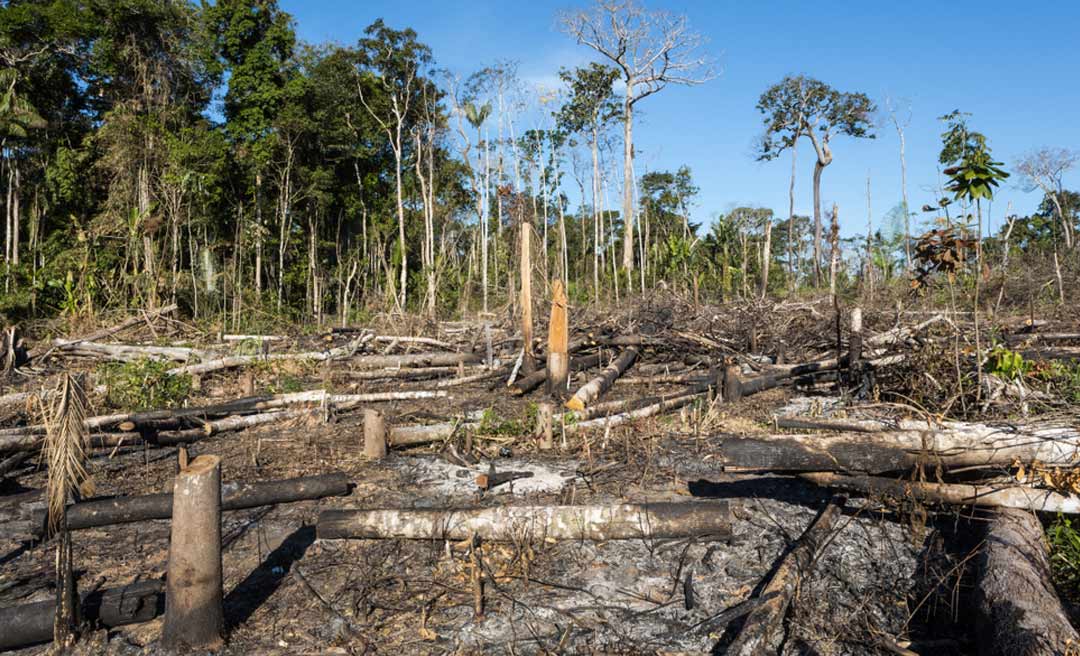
(374, 435)
(193, 599)
(558, 359)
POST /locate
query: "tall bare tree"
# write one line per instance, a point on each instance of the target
(900, 118)
(651, 49)
(1043, 169)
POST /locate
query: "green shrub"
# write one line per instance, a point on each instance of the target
(1064, 542)
(143, 384)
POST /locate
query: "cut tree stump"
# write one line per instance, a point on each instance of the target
(374, 435)
(511, 523)
(763, 630)
(194, 618)
(558, 358)
(1018, 610)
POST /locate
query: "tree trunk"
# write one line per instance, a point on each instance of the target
(30, 624)
(1018, 610)
(628, 178)
(818, 168)
(602, 383)
(513, 523)
(234, 496)
(529, 362)
(194, 619)
(558, 358)
(762, 632)
(986, 496)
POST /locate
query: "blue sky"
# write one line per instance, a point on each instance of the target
(1012, 65)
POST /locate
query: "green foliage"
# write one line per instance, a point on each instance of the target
(799, 105)
(143, 384)
(973, 174)
(1007, 364)
(1064, 539)
(491, 423)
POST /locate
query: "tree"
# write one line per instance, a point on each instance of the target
(900, 124)
(1043, 169)
(254, 40)
(589, 109)
(394, 59)
(799, 106)
(651, 50)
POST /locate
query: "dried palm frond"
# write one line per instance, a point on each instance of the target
(67, 442)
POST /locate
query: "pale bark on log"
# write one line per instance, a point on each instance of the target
(988, 495)
(592, 390)
(512, 523)
(1018, 609)
(611, 421)
(23, 398)
(405, 436)
(30, 624)
(762, 631)
(408, 373)
(194, 617)
(234, 496)
(133, 352)
(952, 444)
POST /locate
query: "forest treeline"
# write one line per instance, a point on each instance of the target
(160, 151)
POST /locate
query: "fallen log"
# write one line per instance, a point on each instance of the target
(30, 624)
(234, 496)
(762, 631)
(611, 421)
(132, 352)
(528, 383)
(409, 373)
(987, 495)
(951, 445)
(592, 390)
(238, 415)
(231, 362)
(845, 425)
(405, 436)
(512, 523)
(104, 332)
(1017, 608)
(611, 408)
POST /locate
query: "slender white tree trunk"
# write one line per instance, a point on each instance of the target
(628, 179)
